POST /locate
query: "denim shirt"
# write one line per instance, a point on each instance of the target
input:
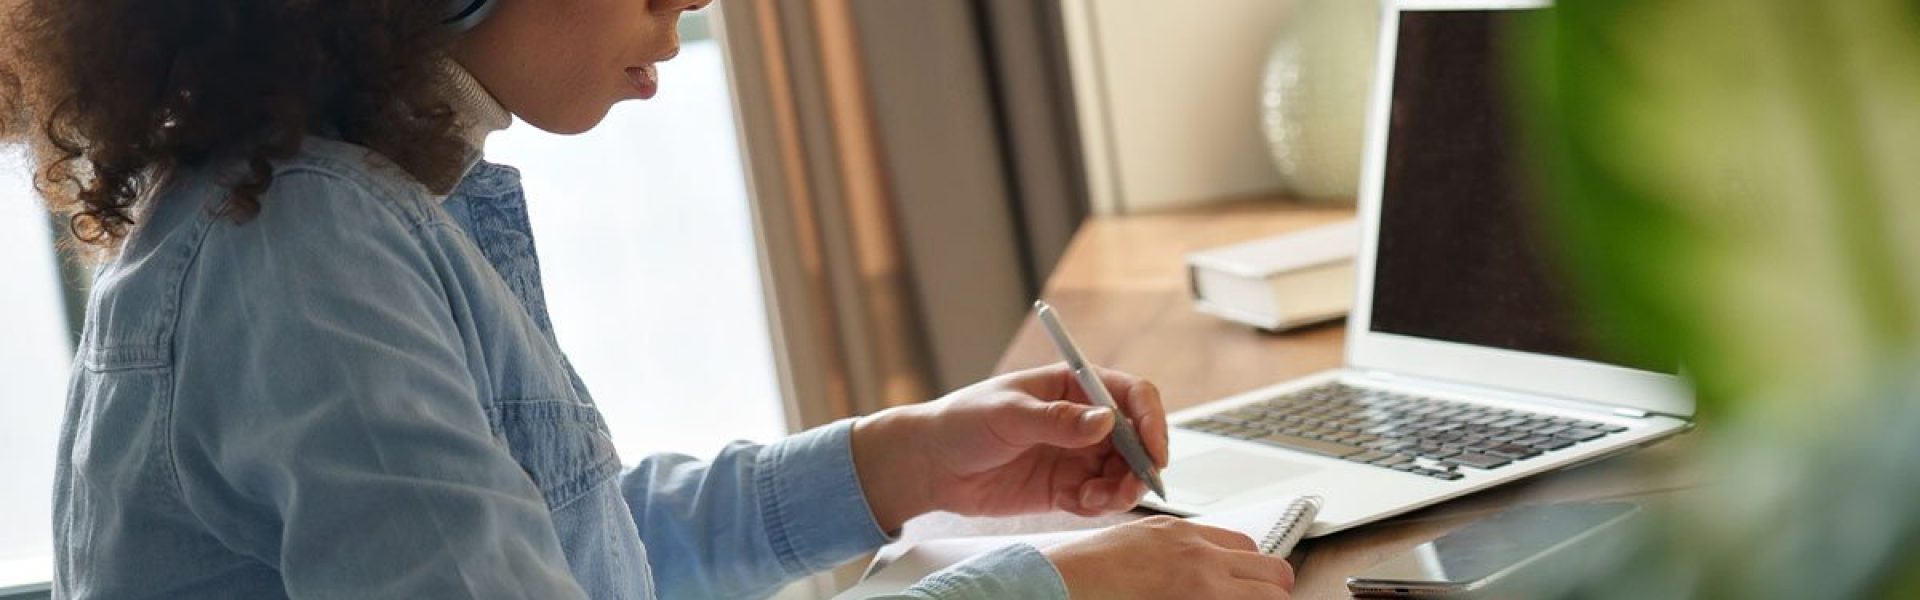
(356, 393)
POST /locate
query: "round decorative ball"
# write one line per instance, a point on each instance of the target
(1313, 96)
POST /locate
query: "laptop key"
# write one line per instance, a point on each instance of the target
(1323, 448)
(1550, 444)
(1368, 456)
(1484, 419)
(1393, 459)
(1380, 444)
(1513, 451)
(1507, 422)
(1579, 434)
(1480, 461)
(1438, 474)
(1533, 423)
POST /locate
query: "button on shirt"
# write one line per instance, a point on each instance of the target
(356, 393)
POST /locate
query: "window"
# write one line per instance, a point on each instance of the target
(648, 253)
(34, 354)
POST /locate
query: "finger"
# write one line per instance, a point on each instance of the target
(1142, 404)
(1056, 382)
(1114, 467)
(1137, 397)
(1260, 567)
(1051, 382)
(1108, 492)
(1069, 500)
(1104, 492)
(1128, 489)
(1102, 497)
(1099, 495)
(1128, 494)
(1027, 421)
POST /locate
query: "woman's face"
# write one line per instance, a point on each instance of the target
(561, 64)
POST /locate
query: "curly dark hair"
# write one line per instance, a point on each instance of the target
(113, 95)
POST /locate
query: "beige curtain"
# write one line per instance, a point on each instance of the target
(846, 329)
(913, 174)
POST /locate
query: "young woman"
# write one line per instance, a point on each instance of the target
(317, 362)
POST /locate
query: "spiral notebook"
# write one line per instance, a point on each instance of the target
(1276, 527)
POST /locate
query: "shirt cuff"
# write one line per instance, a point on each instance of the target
(1015, 572)
(816, 514)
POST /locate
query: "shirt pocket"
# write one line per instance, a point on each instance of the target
(563, 446)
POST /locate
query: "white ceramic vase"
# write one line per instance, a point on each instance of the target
(1313, 96)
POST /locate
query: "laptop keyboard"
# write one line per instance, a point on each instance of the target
(1412, 434)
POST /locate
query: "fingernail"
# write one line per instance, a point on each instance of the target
(1094, 498)
(1093, 421)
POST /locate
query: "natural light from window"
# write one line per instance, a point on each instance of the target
(34, 353)
(652, 274)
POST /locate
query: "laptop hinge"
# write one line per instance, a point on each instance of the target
(1631, 412)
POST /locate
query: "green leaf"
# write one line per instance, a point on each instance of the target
(1761, 159)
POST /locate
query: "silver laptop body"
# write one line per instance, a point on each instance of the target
(1466, 368)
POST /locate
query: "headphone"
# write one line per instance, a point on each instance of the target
(465, 14)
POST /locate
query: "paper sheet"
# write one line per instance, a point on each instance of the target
(927, 557)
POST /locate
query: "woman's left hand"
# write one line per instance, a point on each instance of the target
(1024, 442)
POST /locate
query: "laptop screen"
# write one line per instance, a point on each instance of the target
(1461, 256)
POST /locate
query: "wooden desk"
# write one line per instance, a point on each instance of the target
(1122, 288)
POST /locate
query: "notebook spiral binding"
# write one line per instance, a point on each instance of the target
(1291, 526)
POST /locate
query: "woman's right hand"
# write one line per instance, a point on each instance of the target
(1165, 557)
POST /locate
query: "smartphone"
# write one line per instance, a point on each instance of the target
(1485, 553)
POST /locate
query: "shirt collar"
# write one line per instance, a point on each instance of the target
(476, 110)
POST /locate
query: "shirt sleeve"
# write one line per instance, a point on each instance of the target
(1016, 572)
(326, 421)
(758, 517)
(755, 517)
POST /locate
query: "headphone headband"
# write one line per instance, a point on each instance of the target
(465, 14)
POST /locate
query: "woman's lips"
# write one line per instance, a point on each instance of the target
(645, 80)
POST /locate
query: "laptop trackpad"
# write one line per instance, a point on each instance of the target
(1218, 474)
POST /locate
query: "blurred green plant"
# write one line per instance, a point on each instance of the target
(1763, 159)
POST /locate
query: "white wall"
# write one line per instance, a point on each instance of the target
(1167, 92)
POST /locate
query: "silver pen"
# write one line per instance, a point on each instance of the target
(1126, 439)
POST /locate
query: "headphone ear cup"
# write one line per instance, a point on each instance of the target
(463, 15)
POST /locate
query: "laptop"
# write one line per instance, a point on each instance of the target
(1466, 366)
